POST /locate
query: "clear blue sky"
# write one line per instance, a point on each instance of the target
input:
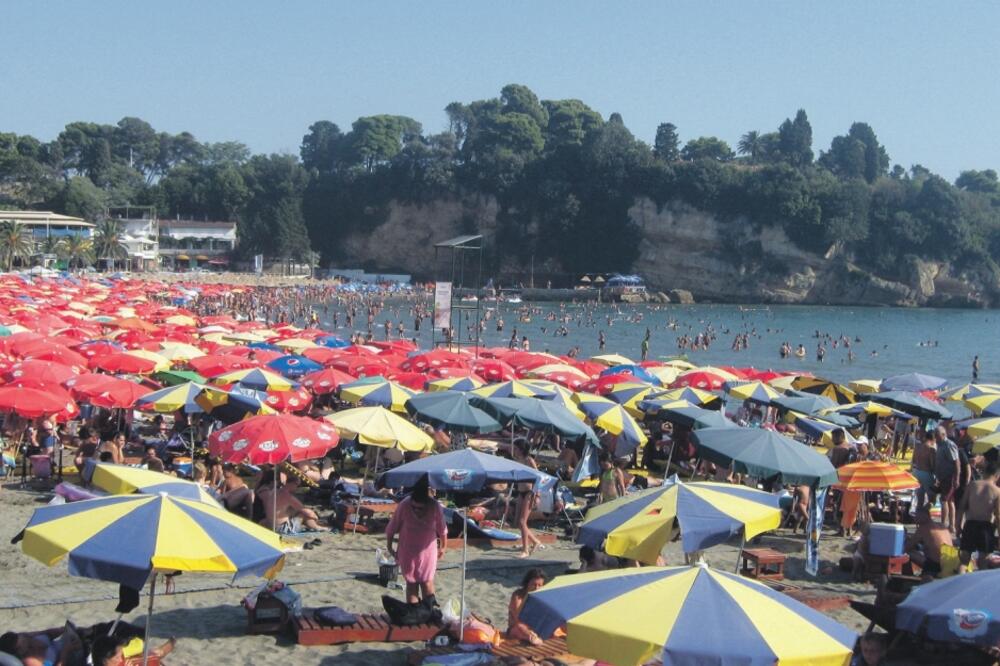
(922, 73)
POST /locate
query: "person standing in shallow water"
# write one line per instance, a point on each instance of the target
(975, 368)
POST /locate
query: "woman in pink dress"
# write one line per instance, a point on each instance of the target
(423, 536)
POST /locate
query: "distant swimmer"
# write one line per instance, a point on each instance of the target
(975, 368)
(800, 351)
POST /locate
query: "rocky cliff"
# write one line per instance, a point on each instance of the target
(687, 249)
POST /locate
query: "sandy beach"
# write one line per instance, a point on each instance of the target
(205, 614)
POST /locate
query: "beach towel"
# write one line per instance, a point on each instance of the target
(476, 531)
(335, 616)
(458, 659)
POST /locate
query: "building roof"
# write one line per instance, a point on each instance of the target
(195, 223)
(42, 218)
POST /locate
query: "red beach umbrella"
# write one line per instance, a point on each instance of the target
(273, 438)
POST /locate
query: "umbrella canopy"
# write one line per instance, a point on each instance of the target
(824, 387)
(693, 417)
(179, 352)
(764, 453)
(134, 362)
(327, 380)
(756, 391)
(125, 538)
(256, 379)
(637, 526)
(173, 398)
(534, 414)
(294, 366)
(125, 480)
(31, 403)
(707, 378)
(377, 426)
(49, 372)
(695, 396)
(987, 404)
(175, 377)
(818, 429)
(464, 470)
(864, 409)
(273, 438)
(612, 417)
(913, 381)
(513, 389)
(870, 475)
(383, 393)
(685, 615)
(611, 360)
(232, 406)
(218, 364)
(640, 373)
(631, 394)
(806, 404)
(911, 403)
(982, 427)
(963, 608)
(454, 384)
(451, 410)
(116, 394)
(985, 443)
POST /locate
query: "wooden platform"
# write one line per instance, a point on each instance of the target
(545, 537)
(368, 629)
(552, 648)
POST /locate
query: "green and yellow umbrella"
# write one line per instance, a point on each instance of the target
(684, 615)
(514, 388)
(382, 393)
(612, 417)
(639, 525)
(377, 426)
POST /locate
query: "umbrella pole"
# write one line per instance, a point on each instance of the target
(149, 619)
(114, 625)
(275, 478)
(739, 555)
(510, 493)
(364, 477)
(465, 553)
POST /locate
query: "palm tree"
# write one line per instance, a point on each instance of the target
(108, 243)
(16, 241)
(750, 144)
(77, 250)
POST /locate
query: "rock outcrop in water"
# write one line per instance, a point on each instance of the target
(688, 254)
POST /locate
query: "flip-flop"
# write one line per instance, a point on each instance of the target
(316, 542)
(308, 545)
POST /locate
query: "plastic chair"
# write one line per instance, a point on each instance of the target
(41, 466)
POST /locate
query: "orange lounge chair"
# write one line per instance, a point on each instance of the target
(368, 629)
(552, 648)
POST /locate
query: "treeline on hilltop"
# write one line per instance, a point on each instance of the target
(563, 177)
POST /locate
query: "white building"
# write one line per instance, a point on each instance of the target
(190, 243)
(44, 224)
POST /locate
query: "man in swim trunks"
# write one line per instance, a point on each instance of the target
(924, 454)
(979, 516)
(924, 546)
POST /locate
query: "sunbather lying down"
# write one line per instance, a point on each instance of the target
(289, 508)
(68, 645)
(110, 650)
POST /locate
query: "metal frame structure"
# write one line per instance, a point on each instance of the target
(460, 247)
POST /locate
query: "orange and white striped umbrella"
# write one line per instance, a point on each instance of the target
(871, 475)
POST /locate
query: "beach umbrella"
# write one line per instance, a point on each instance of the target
(707, 378)
(691, 416)
(214, 365)
(960, 608)
(327, 380)
(629, 395)
(181, 320)
(295, 401)
(132, 362)
(59, 354)
(754, 390)
(173, 398)
(513, 389)
(864, 385)
(913, 381)
(556, 368)
(332, 341)
(48, 372)
(382, 393)
(985, 443)
(493, 369)
(987, 404)
(664, 374)
(179, 352)
(612, 360)
(118, 394)
(639, 525)
(606, 383)
(535, 414)
(175, 377)
(695, 396)
(436, 358)
(256, 379)
(454, 384)
(684, 615)
(824, 387)
(272, 439)
(911, 403)
(560, 395)
(613, 418)
(415, 381)
(295, 345)
(31, 403)
(232, 406)
(968, 391)
(820, 430)
(764, 453)
(377, 426)
(125, 480)
(805, 403)
(451, 410)
(863, 410)
(874, 476)
(981, 427)
(641, 374)
(93, 348)
(294, 366)
(129, 539)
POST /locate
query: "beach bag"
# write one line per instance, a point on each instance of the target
(335, 616)
(408, 615)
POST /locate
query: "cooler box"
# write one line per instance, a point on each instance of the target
(886, 539)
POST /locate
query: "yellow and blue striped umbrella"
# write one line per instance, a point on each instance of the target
(382, 393)
(968, 391)
(630, 394)
(173, 398)
(637, 526)
(232, 406)
(685, 615)
(755, 391)
(454, 384)
(256, 379)
(125, 538)
(984, 444)
(562, 395)
(377, 426)
(695, 396)
(612, 417)
(125, 480)
(986, 404)
(983, 427)
(513, 389)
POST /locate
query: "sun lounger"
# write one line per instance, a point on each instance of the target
(367, 629)
(74, 493)
(553, 648)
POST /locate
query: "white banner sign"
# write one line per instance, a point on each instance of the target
(442, 305)
(258, 263)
